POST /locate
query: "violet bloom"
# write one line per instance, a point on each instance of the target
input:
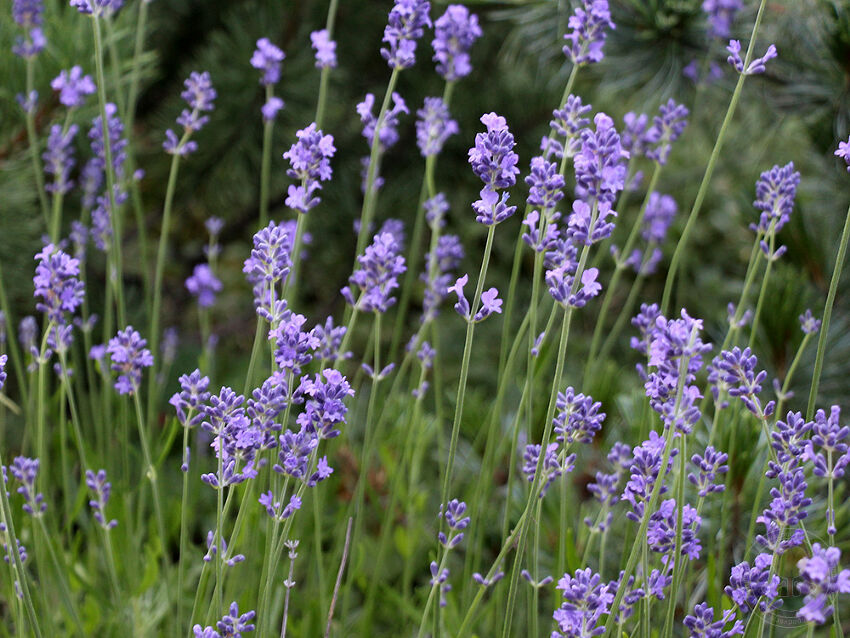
(545, 191)
(588, 26)
(828, 452)
(775, 193)
(57, 283)
(586, 226)
(600, 168)
(325, 49)
(737, 370)
(204, 285)
(330, 340)
(434, 126)
(388, 132)
(293, 347)
(644, 470)
(377, 276)
(808, 323)
(324, 407)
(406, 24)
(756, 66)
(659, 215)
(843, 151)
(720, 14)
(663, 523)
(454, 34)
(753, 587)
(28, 15)
(495, 163)
(129, 357)
(605, 490)
(309, 162)
(703, 625)
(193, 394)
(788, 438)
(821, 579)
(634, 136)
(199, 94)
(711, 463)
(268, 266)
(561, 264)
(28, 103)
(567, 124)
(100, 490)
(234, 623)
(577, 417)
(666, 128)
(551, 468)
(438, 274)
(457, 522)
(25, 471)
(73, 87)
(267, 58)
(271, 108)
(97, 8)
(59, 158)
(3, 360)
(586, 600)
(273, 507)
(117, 141)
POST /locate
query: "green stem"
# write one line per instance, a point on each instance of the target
(61, 576)
(34, 146)
(681, 246)
(827, 315)
(184, 515)
(323, 81)
(265, 169)
(677, 551)
(763, 289)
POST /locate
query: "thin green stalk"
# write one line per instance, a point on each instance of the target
(325, 74)
(184, 515)
(709, 170)
(61, 576)
(290, 286)
(464, 369)
(645, 604)
(763, 289)
(368, 208)
(827, 315)
(677, 548)
(435, 586)
(34, 146)
(265, 169)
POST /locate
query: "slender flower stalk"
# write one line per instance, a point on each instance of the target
(681, 246)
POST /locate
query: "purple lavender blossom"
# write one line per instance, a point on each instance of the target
(644, 321)
(377, 275)
(828, 452)
(295, 452)
(586, 600)
(440, 266)
(561, 265)
(756, 66)
(436, 208)
(490, 304)
(293, 347)
(324, 407)
(406, 24)
(551, 469)
(268, 265)
(567, 124)
(233, 623)
(634, 135)
(588, 225)
(129, 356)
(808, 323)
(28, 13)
(703, 625)
(97, 8)
(25, 471)
(309, 161)
(737, 370)
(117, 141)
(28, 103)
(588, 34)
(457, 522)
(193, 394)
(843, 151)
(821, 579)
(73, 87)
(57, 283)
(495, 163)
(711, 463)
(786, 509)
(434, 126)
(271, 108)
(644, 470)
(3, 360)
(454, 34)
(577, 417)
(666, 128)
(267, 58)
(605, 490)
(325, 49)
(599, 167)
(199, 94)
(204, 285)
(753, 587)
(273, 507)
(388, 131)
(663, 523)
(59, 158)
(720, 15)
(100, 490)
(545, 186)
(330, 340)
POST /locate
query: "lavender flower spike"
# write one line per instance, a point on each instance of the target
(325, 49)
(59, 158)
(204, 285)
(73, 87)
(434, 126)
(756, 66)
(3, 359)
(267, 58)
(377, 276)
(309, 162)
(454, 34)
(199, 95)
(821, 579)
(129, 356)
(100, 489)
(406, 24)
(587, 37)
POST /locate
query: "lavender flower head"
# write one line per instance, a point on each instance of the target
(821, 579)
(405, 25)
(808, 324)
(753, 587)
(199, 94)
(28, 15)
(377, 276)
(268, 265)
(3, 360)
(100, 490)
(577, 417)
(720, 15)
(551, 468)
(666, 128)
(309, 161)
(586, 600)
(644, 471)
(703, 625)
(561, 265)
(600, 168)
(711, 463)
(587, 37)
(193, 394)
(843, 151)
(457, 522)
(204, 285)
(438, 274)
(775, 193)
(59, 158)
(25, 471)
(661, 531)
(271, 108)
(233, 623)
(495, 163)
(73, 87)
(567, 123)
(129, 357)
(324, 407)
(388, 132)
(434, 126)
(756, 66)
(97, 8)
(267, 58)
(454, 34)
(57, 283)
(325, 49)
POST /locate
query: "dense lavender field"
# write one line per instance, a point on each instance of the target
(569, 383)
